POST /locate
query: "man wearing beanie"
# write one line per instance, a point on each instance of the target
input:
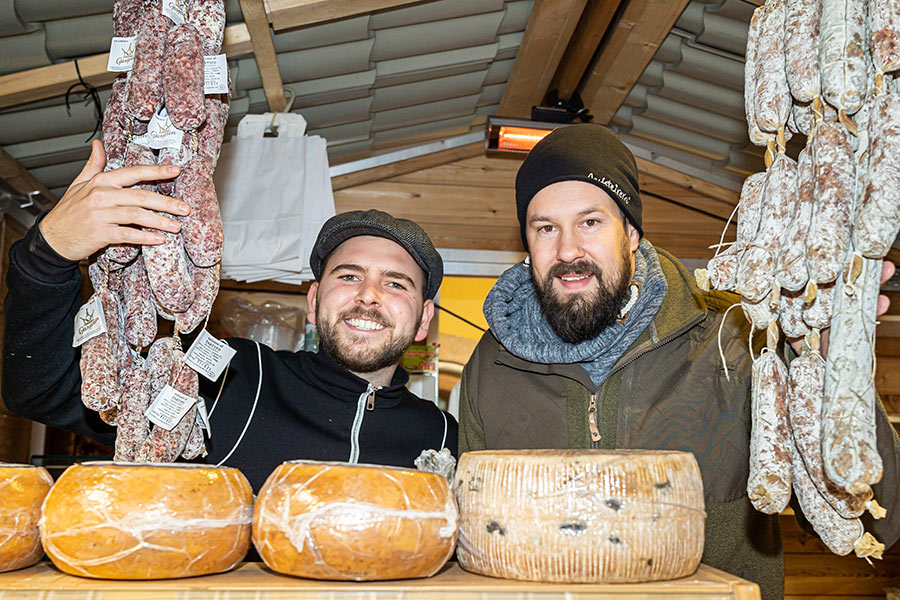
(601, 340)
(375, 274)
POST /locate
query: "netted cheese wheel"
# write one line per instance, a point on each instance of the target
(22, 489)
(142, 521)
(580, 515)
(327, 520)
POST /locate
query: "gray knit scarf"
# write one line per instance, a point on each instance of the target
(514, 314)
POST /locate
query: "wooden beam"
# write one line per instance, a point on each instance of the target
(54, 80)
(18, 177)
(255, 18)
(546, 37)
(402, 167)
(590, 30)
(626, 52)
(284, 14)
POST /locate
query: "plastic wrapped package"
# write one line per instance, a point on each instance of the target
(143, 521)
(276, 325)
(22, 489)
(329, 520)
(580, 516)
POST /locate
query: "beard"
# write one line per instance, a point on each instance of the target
(581, 317)
(362, 358)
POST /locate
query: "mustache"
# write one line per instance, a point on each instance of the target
(367, 313)
(580, 267)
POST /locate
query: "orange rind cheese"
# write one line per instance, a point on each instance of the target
(22, 490)
(576, 516)
(143, 521)
(325, 520)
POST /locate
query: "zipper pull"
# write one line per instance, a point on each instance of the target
(592, 419)
(370, 397)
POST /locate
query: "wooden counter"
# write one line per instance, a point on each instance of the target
(254, 581)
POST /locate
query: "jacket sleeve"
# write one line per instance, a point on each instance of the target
(471, 428)
(41, 374)
(887, 491)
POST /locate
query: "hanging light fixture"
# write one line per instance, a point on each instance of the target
(518, 136)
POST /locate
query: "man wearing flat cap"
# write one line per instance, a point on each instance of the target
(601, 340)
(376, 277)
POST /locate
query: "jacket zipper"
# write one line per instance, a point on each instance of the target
(592, 421)
(592, 404)
(365, 402)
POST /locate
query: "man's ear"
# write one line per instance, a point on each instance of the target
(311, 301)
(634, 238)
(425, 323)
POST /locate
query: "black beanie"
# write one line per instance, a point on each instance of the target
(585, 152)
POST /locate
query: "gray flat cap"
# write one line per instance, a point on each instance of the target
(340, 228)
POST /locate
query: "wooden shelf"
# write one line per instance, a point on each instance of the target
(252, 580)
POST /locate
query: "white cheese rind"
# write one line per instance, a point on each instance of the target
(580, 516)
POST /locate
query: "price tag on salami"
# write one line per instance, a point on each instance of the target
(215, 74)
(160, 133)
(89, 322)
(175, 10)
(121, 54)
(203, 417)
(169, 407)
(209, 356)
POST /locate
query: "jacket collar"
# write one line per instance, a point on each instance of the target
(321, 371)
(683, 307)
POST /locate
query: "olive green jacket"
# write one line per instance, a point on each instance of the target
(669, 390)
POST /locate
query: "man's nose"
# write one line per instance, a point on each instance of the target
(369, 294)
(570, 248)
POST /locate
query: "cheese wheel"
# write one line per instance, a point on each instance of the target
(580, 515)
(142, 521)
(22, 489)
(328, 520)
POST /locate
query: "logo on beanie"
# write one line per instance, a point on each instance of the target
(612, 186)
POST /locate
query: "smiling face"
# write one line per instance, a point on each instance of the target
(368, 304)
(582, 257)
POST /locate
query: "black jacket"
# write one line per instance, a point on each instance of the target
(307, 402)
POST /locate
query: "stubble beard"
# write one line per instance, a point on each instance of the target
(581, 317)
(365, 359)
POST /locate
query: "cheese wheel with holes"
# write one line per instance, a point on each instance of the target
(22, 489)
(579, 515)
(330, 520)
(143, 521)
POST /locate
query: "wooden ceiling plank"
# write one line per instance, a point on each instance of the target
(547, 35)
(626, 52)
(409, 165)
(54, 80)
(587, 37)
(18, 177)
(284, 14)
(257, 22)
(705, 188)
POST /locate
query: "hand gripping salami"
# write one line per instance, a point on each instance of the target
(835, 172)
(140, 311)
(807, 390)
(163, 445)
(772, 97)
(145, 92)
(801, 48)
(884, 34)
(757, 136)
(206, 286)
(183, 77)
(132, 427)
(208, 17)
(769, 483)
(849, 445)
(840, 535)
(135, 154)
(791, 273)
(877, 220)
(201, 230)
(842, 50)
(757, 271)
